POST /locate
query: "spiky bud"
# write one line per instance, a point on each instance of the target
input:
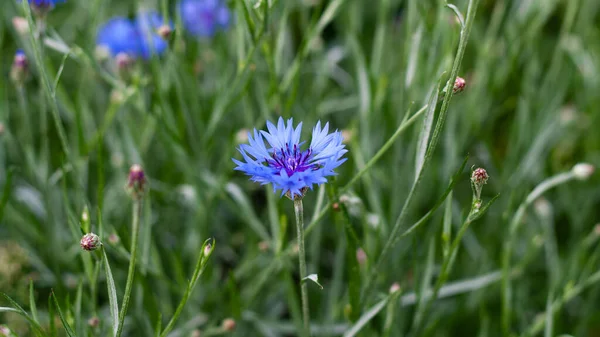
(90, 242)
(113, 239)
(20, 68)
(164, 31)
(395, 287)
(21, 25)
(228, 324)
(263, 246)
(93, 322)
(136, 183)
(6, 332)
(459, 85)
(479, 177)
(583, 171)
(124, 63)
(207, 250)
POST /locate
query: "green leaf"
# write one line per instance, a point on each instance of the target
(366, 318)
(32, 302)
(112, 292)
(314, 278)
(19, 310)
(425, 133)
(65, 324)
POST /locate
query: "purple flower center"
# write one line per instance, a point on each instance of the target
(291, 159)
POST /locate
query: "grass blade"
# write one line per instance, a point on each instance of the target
(112, 292)
(65, 324)
(19, 310)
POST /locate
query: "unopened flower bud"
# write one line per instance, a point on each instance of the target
(90, 242)
(241, 137)
(1, 128)
(207, 249)
(113, 239)
(228, 324)
(5, 331)
(361, 256)
(395, 287)
(124, 64)
(102, 53)
(164, 31)
(347, 136)
(136, 183)
(336, 206)
(93, 322)
(21, 25)
(20, 68)
(479, 177)
(459, 85)
(543, 208)
(583, 171)
(263, 246)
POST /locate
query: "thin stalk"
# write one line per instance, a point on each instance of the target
(507, 251)
(388, 144)
(299, 210)
(135, 224)
(444, 274)
(392, 238)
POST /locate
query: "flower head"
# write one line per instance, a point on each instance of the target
(202, 18)
(90, 242)
(119, 35)
(43, 6)
(284, 164)
(20, 68)
(137, 38)
(459, 85)
(136, 182)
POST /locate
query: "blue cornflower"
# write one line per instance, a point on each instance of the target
(42, 6)
(120, 35)
(284, 164)
(137, 39)
(202, 18)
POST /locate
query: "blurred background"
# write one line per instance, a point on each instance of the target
(528, 112)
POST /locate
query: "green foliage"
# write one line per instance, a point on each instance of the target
(399, 211)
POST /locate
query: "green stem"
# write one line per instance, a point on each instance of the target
(444, 274)
(299, 210)
(135, 224)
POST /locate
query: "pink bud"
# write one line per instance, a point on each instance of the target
(90, 242)
(459, 85)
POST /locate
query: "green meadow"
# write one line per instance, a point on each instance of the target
(408, 239)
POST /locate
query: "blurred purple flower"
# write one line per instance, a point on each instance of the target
(203, 18)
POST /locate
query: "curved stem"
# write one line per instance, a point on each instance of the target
(508, 244)
(299, 210)
(135, 224)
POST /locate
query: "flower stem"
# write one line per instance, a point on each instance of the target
(135, 224)
(299, 210)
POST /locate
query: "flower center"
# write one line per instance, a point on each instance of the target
(291, 159)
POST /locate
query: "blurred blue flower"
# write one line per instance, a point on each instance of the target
(148, 23)
(284, 164)
(137, 39)
(203, 18)
(120, 35)
(41, 6)
(45, 3)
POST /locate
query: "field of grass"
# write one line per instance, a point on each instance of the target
(401, 244)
